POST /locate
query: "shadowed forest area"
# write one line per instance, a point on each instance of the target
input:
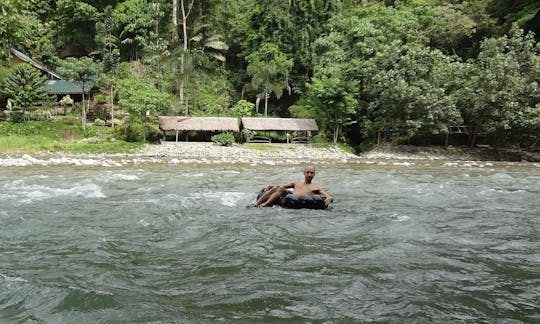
(462, 72)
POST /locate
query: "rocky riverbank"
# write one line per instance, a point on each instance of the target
(248, 153)
(271, 154)
(406, 152)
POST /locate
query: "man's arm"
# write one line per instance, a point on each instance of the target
(328, 199)
(290, 184)
(287, 185)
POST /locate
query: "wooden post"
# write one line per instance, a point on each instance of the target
(177, 135)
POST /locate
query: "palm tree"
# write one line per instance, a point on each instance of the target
(269, 70)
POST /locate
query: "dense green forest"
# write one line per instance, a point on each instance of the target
(360, 67)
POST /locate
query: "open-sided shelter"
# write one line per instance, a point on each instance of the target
(187, 124)
(280, 124)
(297, 125)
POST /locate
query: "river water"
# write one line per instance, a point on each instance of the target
(160, 243)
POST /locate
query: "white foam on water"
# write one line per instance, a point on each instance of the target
(28, 193)
(12, 279)
(193, 175)
(403, 163)
(400, 218)
(27, 160)
(230, 172)
(231, 199)
(126, 177)
(143, 223)
(225, 198)
(501, 176)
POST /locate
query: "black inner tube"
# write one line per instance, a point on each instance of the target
(293, 201)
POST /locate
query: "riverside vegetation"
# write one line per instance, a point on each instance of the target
(32, 137)
(361, 68)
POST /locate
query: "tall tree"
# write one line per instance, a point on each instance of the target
(269, 70)
(174, 21)
(11, 26)
(83, 71)
(24, 87)
(501, 95)
(406, 90)
(186, 11)
(76, 22)
(331, 100)
(134, 23)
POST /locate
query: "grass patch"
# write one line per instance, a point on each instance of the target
(25, 144)
(322, 144)
(32, 137)
(35, 128)
(262, 147)
(34, 144)
(346, 148)
(108, 147)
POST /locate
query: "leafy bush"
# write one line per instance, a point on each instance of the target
(100, 99)
(101, 112)
(40, 115)
(139, 97)
(133, 132)
(242, 108)
(224, 139)
(16, 115)
(99, 122)
(247, 134)
(66, 101)
(136, 131)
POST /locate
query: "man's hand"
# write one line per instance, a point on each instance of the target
(328, 200)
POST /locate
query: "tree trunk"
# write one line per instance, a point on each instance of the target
(83, 112)
(175, 21)
(185, 16)
(266, 104)
(335, 136)
(257, 103)
(472, 137)
(112, 106)
(181, 96)
(184, 22)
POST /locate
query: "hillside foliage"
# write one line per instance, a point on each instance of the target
(359, 67)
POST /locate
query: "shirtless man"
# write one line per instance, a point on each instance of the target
(272, 193)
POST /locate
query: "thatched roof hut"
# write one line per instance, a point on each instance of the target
(209, 124)
(280, 124)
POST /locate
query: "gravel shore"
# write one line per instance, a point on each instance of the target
(247, 153)
(269, 154)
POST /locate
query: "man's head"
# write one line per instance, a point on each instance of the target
(309, 173)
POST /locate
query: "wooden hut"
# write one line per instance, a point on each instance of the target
(55, 85)
(297, 125)
(198, 124)
(61, 88)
